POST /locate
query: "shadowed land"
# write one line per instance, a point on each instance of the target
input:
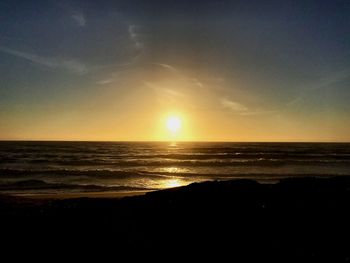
(301, 218)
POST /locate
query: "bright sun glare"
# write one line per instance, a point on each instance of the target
(173, 124)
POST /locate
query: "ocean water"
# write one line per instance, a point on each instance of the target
(60, 167)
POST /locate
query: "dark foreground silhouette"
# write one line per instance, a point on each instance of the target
(297, 219)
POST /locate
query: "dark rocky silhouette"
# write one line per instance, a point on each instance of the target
(295, 219)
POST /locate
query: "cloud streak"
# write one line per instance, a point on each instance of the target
(105, 81)
(135, 36)
(319, 85)
(240, 109)
(79, 19)
(233, 106)
(166, 91)
(166, 66)
(70, 65)
(136, 66)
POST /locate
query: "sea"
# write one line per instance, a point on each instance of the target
(34, 168)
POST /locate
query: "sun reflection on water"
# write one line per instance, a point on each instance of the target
(173, 145)
(173, 183)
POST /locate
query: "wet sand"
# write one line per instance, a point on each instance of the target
(62, 196)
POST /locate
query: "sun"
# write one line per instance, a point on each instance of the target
(173, 124)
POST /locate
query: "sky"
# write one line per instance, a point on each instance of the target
(229, 70)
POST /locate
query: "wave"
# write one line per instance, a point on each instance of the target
(115, 159)
(80, 166)
(209, 162)
(42, 185)
(226, 161)
(102, 174)
(122, 177)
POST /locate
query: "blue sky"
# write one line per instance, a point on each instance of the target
(235, 70)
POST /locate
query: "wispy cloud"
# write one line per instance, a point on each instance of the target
(165, 91)
(324, 83)
(70, 65)
(166, 66)
(196, 82)
(135, 36)
(105, 81)
(258, 112)
(137, 66)
(240, 109)
(166, 96)
(190, 80)
(79, 19)
(233, 106)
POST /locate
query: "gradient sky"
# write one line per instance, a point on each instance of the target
(231, 70)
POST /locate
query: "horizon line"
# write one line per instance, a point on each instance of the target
(168, 141)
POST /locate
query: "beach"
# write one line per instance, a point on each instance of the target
(258, 201)
(299, 218)
(187, 131)
(61, 196)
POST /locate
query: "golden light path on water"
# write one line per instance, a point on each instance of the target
(173, 181)
(173, 176)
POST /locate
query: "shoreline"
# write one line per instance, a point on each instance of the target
(68, 196)
(121, 194)
(303, 219)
